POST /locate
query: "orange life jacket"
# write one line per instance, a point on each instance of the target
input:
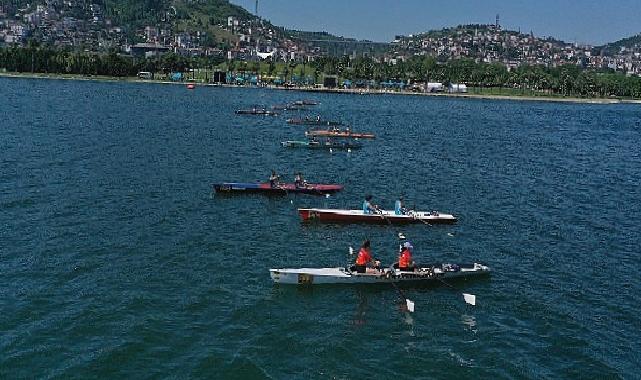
(364, 257)
(405, 260)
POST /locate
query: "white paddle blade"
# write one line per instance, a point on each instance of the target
(410, 305)
(470, 298)
(351, 250)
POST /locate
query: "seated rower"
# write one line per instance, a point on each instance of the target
(405, 262)
(399, 207)
(299, 181)
(364, 258)
(368, 208)
(274, 180)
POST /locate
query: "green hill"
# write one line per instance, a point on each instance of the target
(615, 47)
(131, 13)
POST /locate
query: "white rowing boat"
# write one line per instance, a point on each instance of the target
(381, 217)
(425, 273)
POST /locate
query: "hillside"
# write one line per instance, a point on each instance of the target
(614, 48)
(136, 14)
(474, 29)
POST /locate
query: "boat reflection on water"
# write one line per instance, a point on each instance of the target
(361, 309)
(469, 321)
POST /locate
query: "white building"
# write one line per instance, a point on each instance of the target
(458, 88)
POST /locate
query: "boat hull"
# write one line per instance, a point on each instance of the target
(314, 122)
(257, 112)
(432, 273)
(283, 189)
(385, 217)
(321, 145)
(340, 134)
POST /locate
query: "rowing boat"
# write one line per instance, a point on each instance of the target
(256, 111)
(281, 189)
(339, 145)
(339, 133)
(383, 217)
(305, 102)
(313, 122)
(287, 107)
(424, 273)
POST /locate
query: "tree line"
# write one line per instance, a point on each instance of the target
(33, 59)
(566, 80)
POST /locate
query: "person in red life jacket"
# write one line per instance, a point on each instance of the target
(364, 258)
(405, 262)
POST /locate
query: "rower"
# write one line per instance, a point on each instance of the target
(368, 208)
(299, 181)
(274, 179)
(399, 207)
(364, 258)
(405, 262)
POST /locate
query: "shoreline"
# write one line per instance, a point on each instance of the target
(602, 101)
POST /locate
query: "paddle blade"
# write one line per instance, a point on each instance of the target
(410, 305)
(470, 298)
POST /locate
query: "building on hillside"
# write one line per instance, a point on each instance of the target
(147, 50)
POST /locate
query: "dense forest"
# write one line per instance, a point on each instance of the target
(55, 61)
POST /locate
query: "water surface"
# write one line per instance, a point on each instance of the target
(117, 261)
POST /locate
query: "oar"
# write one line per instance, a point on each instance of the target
(380, 213)
(469, 298)
(408, 302)
(421, 220)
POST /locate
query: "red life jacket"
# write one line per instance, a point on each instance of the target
(405, 260)
(364, 257)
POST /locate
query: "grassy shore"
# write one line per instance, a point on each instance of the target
(474, 93)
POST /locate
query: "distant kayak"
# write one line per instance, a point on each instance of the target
(339, 145)
(287, 107)
(306, 102)
(281, 189)
(256, 111)
(313, 122)
(339, 133)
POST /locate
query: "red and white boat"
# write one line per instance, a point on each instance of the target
(382, 217)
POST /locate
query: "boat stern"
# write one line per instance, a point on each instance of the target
(304, 213)
(482, 268)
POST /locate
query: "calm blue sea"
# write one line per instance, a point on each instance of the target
(116, 261)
